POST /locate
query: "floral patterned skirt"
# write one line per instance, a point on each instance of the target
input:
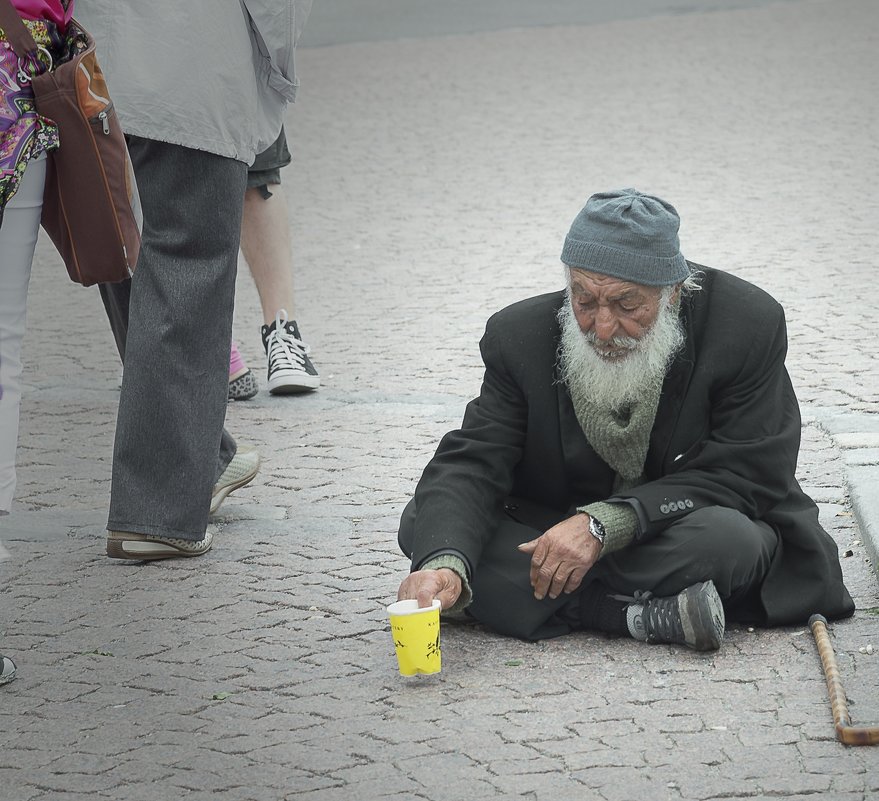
(24, 134)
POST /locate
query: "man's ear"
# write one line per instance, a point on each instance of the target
(676, 295)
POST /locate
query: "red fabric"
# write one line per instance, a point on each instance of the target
(52, 10)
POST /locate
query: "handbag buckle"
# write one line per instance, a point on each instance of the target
(40, 56)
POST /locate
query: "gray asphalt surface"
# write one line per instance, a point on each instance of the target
(433, 181)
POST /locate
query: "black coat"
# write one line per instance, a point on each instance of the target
(727, 433)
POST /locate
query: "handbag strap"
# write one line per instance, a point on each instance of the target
(16, 32)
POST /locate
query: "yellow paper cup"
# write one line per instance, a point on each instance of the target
(416, 634)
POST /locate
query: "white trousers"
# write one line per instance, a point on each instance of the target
(18, 238)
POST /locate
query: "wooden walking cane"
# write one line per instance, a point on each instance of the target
(845, 732)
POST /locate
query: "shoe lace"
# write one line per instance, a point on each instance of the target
(283, 348)
(639, 597)
(662, 620)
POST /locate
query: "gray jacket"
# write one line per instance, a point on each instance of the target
(214, 75)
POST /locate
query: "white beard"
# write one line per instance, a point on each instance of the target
(615, 384)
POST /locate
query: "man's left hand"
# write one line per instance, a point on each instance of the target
(561, 556)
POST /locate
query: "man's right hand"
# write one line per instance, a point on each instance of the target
(425, 585)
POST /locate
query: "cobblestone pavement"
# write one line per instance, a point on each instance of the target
(434, 182)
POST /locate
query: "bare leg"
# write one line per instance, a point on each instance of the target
(267, 249)
(265, 243)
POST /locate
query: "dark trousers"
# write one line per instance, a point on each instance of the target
(713, 543)
(173, 325)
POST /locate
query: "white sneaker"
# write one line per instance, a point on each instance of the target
(7, 669)
(289, 368)
(238, 473)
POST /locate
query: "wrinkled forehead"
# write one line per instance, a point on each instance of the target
(598, 284)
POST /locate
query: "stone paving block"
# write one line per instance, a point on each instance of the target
(861, 457)
(808, 796)
(55, 795)
(861, 439)
(845, 784)
(26, 752)
(360, 778)
(836, 769)
(266, 780)
(10, 778)
(620, 782)
(491, 748)
(611, 756)
(519, 783)
(703, 786)
(344, 793)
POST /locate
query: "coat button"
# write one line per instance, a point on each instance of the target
(664, 509)
(688, 503)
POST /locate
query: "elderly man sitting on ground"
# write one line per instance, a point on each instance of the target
(629, 464)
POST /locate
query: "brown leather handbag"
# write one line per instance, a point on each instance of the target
(91, 209)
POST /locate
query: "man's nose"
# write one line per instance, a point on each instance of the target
(605, 324)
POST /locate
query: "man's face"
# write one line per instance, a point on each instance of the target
(617, 339)
(612, 314)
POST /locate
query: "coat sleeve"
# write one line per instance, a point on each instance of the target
(745, 457)
(461, 492)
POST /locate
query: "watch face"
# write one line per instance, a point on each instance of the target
(596, 529)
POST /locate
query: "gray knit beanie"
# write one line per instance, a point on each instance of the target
(629, 235)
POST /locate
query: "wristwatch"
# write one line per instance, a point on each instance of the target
(597, 529)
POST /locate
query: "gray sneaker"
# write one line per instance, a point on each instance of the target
(693, 617)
